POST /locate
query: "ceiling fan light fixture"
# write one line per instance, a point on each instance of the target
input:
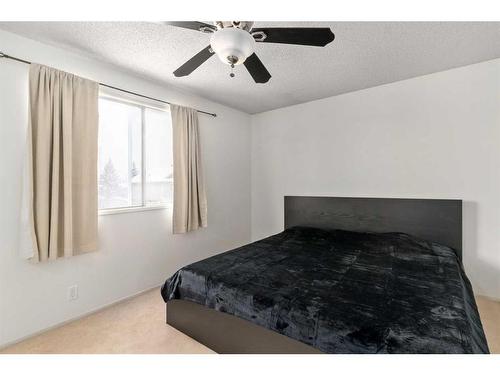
(232, 45)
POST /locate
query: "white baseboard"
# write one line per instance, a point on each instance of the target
(90, 312)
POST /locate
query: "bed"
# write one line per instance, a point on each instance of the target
(347, 275)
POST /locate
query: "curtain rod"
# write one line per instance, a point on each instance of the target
(4, 55)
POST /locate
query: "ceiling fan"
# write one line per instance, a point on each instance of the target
(234, 43)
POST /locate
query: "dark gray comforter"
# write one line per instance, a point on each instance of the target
(342, 292)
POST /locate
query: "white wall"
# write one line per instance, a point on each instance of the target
(436, 136)
(137, 250)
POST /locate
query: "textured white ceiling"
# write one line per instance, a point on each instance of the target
(364, 54)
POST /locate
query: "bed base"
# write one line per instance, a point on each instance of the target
(227, 334)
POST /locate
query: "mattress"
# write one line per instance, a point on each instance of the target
(342, 292)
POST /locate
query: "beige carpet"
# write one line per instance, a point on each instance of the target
(138, 326)
(490, 317)
(134, 326)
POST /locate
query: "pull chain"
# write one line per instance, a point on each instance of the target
(232, 71)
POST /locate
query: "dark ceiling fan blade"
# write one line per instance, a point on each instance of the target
(306, 36)
(256, 69)
(193, 25)
(194, 62)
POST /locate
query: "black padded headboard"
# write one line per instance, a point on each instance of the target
(437, 220)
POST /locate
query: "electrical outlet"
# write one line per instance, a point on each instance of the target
(72, 292)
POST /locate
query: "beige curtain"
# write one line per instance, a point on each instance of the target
(62, 164)
(190, 203)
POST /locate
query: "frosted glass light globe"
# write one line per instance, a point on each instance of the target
(232, 42)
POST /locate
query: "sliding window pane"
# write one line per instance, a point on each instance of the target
(120, 150)
(158, 158)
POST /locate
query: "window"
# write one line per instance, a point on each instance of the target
(135, 155)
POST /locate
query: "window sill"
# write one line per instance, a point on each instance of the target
(126, 210)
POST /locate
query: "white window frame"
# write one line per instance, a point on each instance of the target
(142, 106)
